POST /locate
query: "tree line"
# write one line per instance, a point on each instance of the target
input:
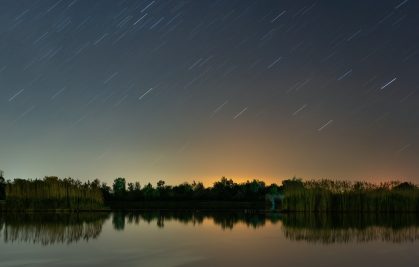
(224, 189)
(2, 186)
(292, 195)
(295, 194)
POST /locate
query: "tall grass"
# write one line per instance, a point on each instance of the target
(338, 196)
(53, 193)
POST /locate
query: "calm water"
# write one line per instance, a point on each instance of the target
(207, 239)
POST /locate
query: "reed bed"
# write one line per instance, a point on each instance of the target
(53, 193)
(345, 196)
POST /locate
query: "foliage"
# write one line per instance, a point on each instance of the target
(224, 189)
(2, 186)
(293, 195)
(53, 193)
(333, 196)
(119, 186)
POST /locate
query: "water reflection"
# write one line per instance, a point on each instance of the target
(322, 228)
(51, 228)
(343, 228)
(226, 220)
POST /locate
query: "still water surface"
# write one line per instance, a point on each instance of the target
(198, 238)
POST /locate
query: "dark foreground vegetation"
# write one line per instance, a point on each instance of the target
(344, 196)
(222, 190)
(53, 193)
(293, 195)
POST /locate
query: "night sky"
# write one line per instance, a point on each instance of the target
(196, 90)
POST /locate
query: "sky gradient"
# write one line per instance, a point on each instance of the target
(196, 90)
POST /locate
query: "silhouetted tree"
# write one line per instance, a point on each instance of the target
(160, 184)
(119, 187)
(106, 191)
(2, 186)
(148, 191)
(405, 186)
(198, 190)
(130, 187)
(223, 189)
(137, 191)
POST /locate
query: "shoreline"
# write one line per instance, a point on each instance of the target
(216, 206)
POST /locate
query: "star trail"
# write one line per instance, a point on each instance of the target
(196, 90)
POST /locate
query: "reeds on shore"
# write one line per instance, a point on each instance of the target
(346, 196)
(53, 193)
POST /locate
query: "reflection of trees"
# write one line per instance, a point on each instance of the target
(226, 220)
(253, 220)
(341, 228)
(118, 221)
(310, 227)
(51, 228)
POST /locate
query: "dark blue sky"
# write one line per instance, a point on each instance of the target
(183, 90)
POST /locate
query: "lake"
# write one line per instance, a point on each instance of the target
(205, 238)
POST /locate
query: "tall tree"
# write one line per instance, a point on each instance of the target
(2, 186)
(119, 186)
